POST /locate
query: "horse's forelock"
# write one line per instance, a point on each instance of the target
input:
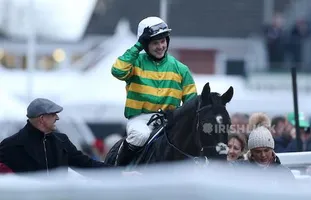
(214, 99)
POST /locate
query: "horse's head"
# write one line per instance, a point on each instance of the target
(199, 127)
(213, 122)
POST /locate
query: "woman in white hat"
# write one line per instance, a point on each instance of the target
(261, 146)
(260, 141)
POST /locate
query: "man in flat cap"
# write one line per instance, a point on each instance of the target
(39, 147)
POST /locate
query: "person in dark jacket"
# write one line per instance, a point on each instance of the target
(261, 155)
(282, 136)
(275, 42)
(305, 133)
(38, 146)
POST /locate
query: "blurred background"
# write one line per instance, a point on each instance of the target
(64, 49)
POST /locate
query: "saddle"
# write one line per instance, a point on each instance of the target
(160, 122)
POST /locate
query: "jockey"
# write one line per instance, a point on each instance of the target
(154, 79)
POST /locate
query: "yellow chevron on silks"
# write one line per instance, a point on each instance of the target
(189, 89)
(121, 65)
(147, 105)
(162, 92)
(157, 75)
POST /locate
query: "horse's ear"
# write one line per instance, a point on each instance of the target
(205, 92)
(227, 96)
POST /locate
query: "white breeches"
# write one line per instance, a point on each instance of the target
(137, 130)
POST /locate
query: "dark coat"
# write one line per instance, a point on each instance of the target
(284, 144)
(275, 171)
(31, 150)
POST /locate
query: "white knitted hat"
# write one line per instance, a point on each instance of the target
(260, 135)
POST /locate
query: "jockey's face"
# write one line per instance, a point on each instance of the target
(157, 48)
(262, 155)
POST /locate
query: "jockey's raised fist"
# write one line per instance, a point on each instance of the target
(144, 39)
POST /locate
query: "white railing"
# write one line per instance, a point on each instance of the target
(295, 159)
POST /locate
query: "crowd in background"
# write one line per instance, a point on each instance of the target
(285, 45)
(283, 132)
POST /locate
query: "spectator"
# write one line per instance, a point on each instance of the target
(278, 125)
(299, 32)
(281, 134)
(305, 133)
(239, 123)
(38, 147)
(275, 42)
(236, 144)
(261, 153)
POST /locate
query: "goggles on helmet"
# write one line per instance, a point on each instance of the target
(159, 28)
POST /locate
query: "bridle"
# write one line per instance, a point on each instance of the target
(199, 160)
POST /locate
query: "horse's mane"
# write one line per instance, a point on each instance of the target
(191, 106)
(186, 107)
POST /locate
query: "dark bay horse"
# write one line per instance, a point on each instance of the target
(197, 129)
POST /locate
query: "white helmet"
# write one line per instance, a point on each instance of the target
(157, 25)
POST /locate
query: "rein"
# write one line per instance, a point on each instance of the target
(163, 119)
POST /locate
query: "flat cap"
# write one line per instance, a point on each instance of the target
(41, 106)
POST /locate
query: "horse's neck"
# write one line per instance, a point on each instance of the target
(182, 135)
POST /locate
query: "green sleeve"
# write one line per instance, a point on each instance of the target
(124, 65)
(189, 88)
